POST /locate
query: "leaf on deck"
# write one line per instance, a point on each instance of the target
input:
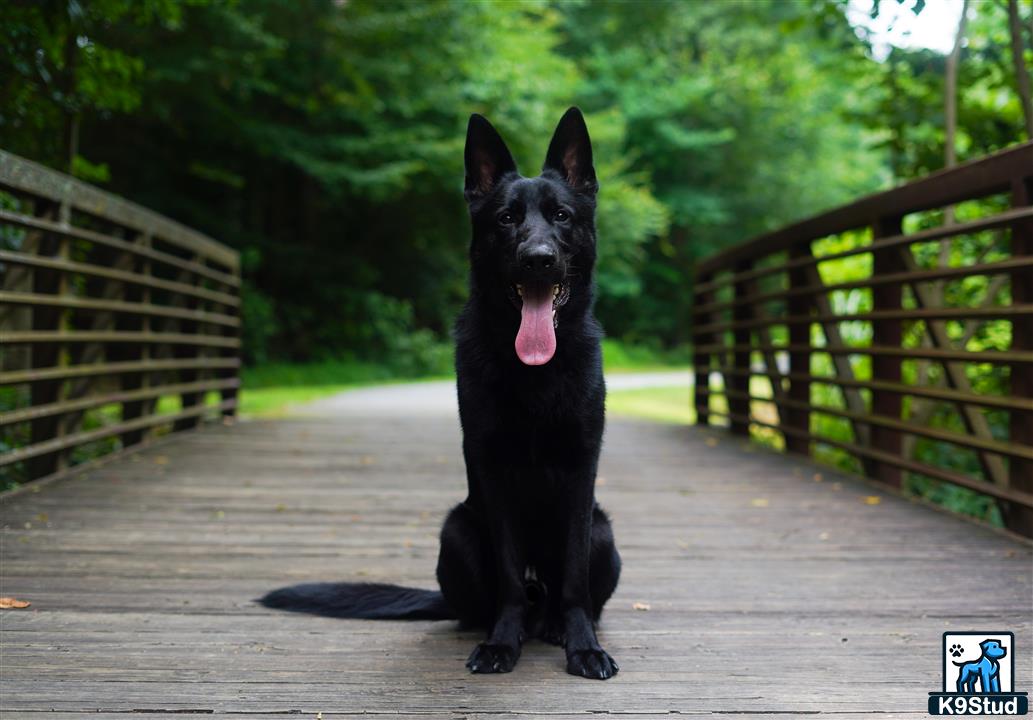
(10, 603)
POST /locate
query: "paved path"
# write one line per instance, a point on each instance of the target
(439, 397)
(768, 592)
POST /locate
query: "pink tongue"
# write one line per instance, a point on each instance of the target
(536, 339)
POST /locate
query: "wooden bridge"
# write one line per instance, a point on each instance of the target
(755, 582)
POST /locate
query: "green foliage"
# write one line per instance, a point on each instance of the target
(739, 128)
(55, 67)
(324, 139)
(908, 91)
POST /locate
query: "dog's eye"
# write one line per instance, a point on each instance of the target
(506, 219)
(561, 216)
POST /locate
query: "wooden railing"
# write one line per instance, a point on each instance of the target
(116, 324)
(910, 361)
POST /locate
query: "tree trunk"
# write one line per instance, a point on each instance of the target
(1021, 74)
(950, 104)
(71, 140)
(69, 100)
(922, 410)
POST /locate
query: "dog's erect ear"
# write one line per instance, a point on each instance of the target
(487, 157)
(570, 152)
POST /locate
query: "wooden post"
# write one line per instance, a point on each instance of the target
(799, 360)
(1020, 432)
(134, 381)
(191, 399)
(739, 382)
(701, 360)
(231, 393)
(47, 282)
(887, 333)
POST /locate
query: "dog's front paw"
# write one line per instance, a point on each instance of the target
(492, 658)
(595, 664)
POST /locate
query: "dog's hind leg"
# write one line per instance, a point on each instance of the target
(604, 568)
(465, 571)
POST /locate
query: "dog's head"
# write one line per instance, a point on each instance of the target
(992, 649)
(533, 247)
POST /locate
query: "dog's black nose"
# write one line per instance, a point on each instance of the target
(539, 256)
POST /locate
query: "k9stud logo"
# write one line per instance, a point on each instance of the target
(978, 676)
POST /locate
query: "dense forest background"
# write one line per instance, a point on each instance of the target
(324, 138)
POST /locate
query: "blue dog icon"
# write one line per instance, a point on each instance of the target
(986, 669)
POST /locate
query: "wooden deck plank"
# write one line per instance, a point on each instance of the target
(769, 591)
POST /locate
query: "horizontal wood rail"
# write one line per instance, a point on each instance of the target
(913, 352)
(65, 372)
(116, 323)
(92, 401)
(986, 356)
(48, 336)
(936, 233)
(13, 258)
(912, 315)
(918, 468)
(115, 243)
(117, 306)
(998, 268)
(987, 176)
(922, 391)
(994, 446)
(80, 438)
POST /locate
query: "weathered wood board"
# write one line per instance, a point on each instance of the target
(768, 591)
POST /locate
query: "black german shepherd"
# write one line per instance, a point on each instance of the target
(528, 553)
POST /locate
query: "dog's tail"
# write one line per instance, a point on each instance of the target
(371, 601)
(959, 664)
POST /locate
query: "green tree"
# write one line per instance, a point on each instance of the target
(742, 116)
(54, 71)
(324, 139)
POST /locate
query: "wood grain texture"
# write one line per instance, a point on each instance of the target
(880, 355)
(769, 591)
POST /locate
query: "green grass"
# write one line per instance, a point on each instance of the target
(674, 404)
(276, 401)
(661, 404)
(620, 356)
(328, 373)
(270, 390)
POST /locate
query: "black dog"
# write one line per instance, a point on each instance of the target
(528, 553)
